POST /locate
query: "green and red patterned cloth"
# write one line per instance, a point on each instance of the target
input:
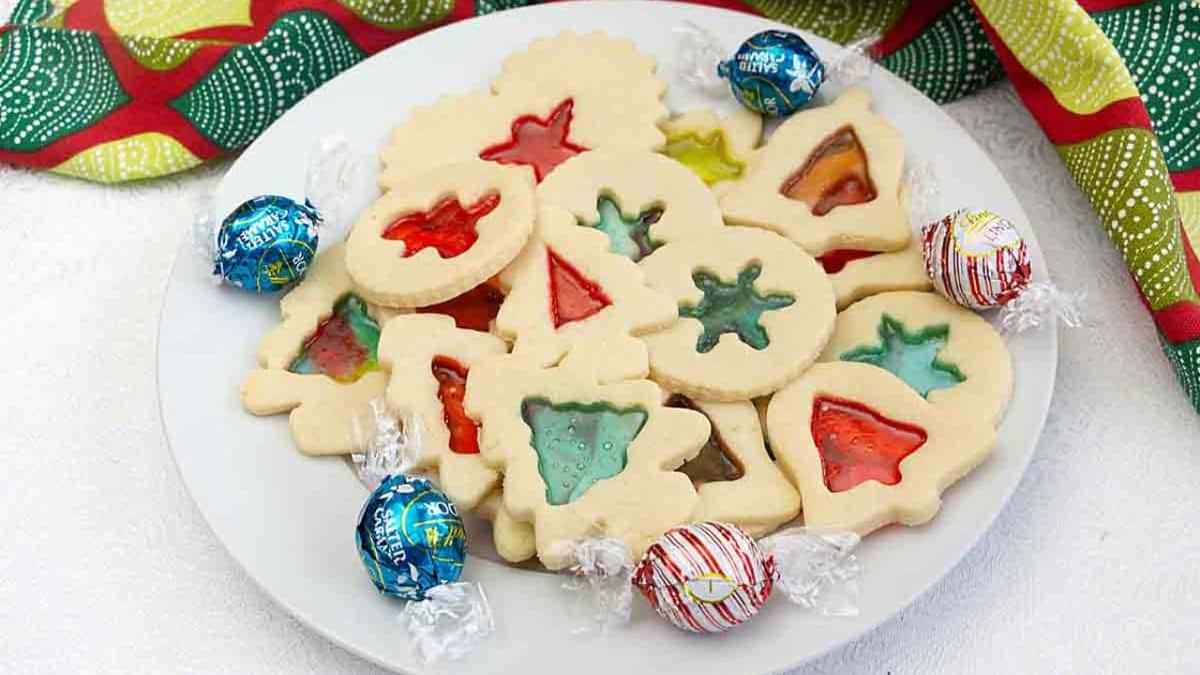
(120, 90)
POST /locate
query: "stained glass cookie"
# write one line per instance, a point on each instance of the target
(736, 480)
(320, 364)
(581, 458)
(754, 311)
(866, 450)
(440, 233)
(562, 96)
(717, 149)
(946, 353)
(829, 178)
(640, 200)
(857, 274)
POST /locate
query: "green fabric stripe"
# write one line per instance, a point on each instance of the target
(838, 20)
(488, 6)
(950, 59)
(1185, 358)
(29, 11)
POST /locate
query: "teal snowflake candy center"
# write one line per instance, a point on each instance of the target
(732, 308)
(579, 444)
(910, 356)
(629, 237)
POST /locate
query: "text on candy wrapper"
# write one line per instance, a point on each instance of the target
(766, 63)
(256, 237)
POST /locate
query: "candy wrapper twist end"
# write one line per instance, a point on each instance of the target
(449, 623)
(855, 64)
(1037, 303)
(600, 579)
(333, 171)
(817, 570)
(698, 58)
(391, 445)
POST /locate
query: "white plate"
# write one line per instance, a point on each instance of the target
(289, 520)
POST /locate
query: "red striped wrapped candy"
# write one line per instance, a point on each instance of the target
(976, 258)
(706, 577)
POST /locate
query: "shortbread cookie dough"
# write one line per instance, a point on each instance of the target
(718, 150)
(567, 288)
(946, 353)
(563, 96)
(737, 482)
(320, 363)
(429, 360)
(857, 274)
(581, 458)
(754, 311)
(514, 540)
(866, 450)
(829, 178)
(640, 200)
(440, 233)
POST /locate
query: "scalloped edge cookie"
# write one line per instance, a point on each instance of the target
(741, 133)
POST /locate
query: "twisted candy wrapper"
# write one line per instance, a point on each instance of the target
(600, 581)
(450, 623)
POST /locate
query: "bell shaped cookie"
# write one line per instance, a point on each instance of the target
(946, 353)
(829, 178)
(717, 149)
(866, 450)
(640, 200)
(320, 364)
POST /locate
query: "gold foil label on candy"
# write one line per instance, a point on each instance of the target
(982, 233)
(710, 588)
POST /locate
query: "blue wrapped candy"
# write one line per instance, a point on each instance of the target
(774, 72)
(410, 538)
(267, 243)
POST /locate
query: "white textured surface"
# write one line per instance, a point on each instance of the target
(107, 567)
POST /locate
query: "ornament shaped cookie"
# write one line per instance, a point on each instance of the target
(581, 458)
(429, 360)
(946, 353)
(562, 96)
(866, 450)
(754, 311)
(320, 363)
(569, 288)
(639, 200)
(829, 178)
(440, 233)
(718, 150)
(857, 273)
(736, 480)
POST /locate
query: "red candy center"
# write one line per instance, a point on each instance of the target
(452, 387)
(857, 444)
(835, 261)
(473, 310)
(447, 227)
(572, 296)
(536, 142)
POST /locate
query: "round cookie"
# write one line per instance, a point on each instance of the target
(440, 233)
(562, 96)
(946, 353)
(866, 450)
(640, 200)
(828, 178)
(754, 312)
(718, 150)
(320, 363)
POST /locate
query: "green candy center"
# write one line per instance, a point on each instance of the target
(910, 356)
(629, 237)
(732, 308)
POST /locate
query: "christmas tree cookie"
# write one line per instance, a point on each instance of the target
(320, 363)
(946, 353)
(754, 312)
(736, 480)
(829, 178)
(718, 150)
(440, 233)
(563, 96)
(568, 288)
(640, 200)
(582, 458)
(866, 450)
(429, 360)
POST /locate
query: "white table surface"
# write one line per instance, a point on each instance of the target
(106, 566)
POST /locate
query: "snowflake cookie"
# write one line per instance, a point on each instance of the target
(866, 450)
(718, 150)
(581, 458)
(320, 363)
(829, 178)
(568, 289)
(562, 96)
(513, 539)
(735, 478)
(640, 200)
(429, 360)
(754, 311)
(946, 353)
(440, 233)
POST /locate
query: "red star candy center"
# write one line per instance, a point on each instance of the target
(536, 142)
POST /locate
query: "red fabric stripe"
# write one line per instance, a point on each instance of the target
(1060, 125)
(1180, 322)
(1104, 5)
(912, 23)
(1187, 180)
